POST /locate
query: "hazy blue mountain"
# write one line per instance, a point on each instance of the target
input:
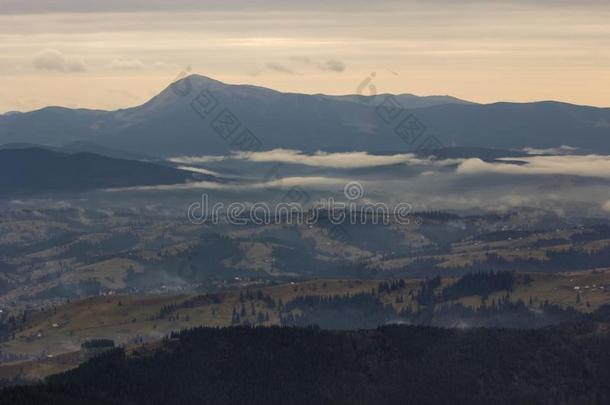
(409, 101)
(52, 126)
(24, 145)
(81, 146)
(169, 125)
(36, 169)
(487, 154)
(91, 147)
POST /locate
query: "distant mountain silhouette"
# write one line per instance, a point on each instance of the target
(81, 146)
(39, 170)
(487, 154)
(168, 124)
(408, 101)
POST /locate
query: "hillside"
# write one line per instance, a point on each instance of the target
(534, 301)
(399, 364)
(26, 170)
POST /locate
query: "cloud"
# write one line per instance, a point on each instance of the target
(93, 6)
(279, 68)
(342, 160)
(562, 150)
(329, 65)
(80, 6)
(166, 65)
(123, 94)
(126, 64)
(333, 65)
(305, 60)
(196, 159)
(199, 170)
(54, 60)
(473, 39)
(286, 182)
(570, 165)
(323, 159)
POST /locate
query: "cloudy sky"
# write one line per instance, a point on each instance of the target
(116, 53)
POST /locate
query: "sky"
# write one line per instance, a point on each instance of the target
(110, 54)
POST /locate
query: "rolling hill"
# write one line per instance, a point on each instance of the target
(397, 364)
(26, 170)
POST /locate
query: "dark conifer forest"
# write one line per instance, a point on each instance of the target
(568, 364)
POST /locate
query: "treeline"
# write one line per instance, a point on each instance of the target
(356, 311)
(555, 261)
(432, 302)
(396, 364)
(430, 305)
(481, 283)
(252, 317)
(365, 311)
(11, 322)
(97, 344)
(500, 313)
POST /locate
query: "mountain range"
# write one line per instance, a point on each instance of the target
(201, 116)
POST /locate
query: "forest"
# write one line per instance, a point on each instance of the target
(436, 306)
(391, 364)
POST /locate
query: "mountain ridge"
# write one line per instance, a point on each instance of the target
(25, 170)
(168, 123)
